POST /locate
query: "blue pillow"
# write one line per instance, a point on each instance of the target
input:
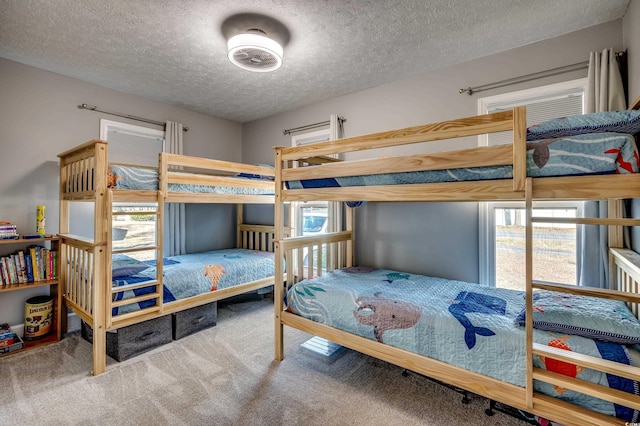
(124, 266)
(627, 121)
(592, 317)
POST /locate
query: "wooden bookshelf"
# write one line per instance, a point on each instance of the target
(58, 327)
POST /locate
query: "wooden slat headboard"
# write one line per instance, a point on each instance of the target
(625, 272)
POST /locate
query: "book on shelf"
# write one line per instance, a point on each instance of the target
(16, 345)
(8, 231)
(12, 270)
(36, 263)
(5, 331)
(5, 272)
(7, 341)
(28, 267)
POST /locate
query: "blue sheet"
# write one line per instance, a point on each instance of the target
(146, 178)
(192, 274)
(594, 153)
(463, 324)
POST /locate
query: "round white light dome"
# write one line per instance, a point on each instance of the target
(255, 52)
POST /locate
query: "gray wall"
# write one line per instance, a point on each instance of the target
(39, 119)
(631, 35)
(451, 247)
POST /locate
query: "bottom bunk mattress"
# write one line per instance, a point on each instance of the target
(190, 274)
(463, 324)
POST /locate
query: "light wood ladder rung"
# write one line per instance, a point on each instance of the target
(598, 391)
(136, 213)
(587, 361)
(124, 319)
(126, 287)
(138, 299)
(133, 249)
(588, 291)
(588, 221)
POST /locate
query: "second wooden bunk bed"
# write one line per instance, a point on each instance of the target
(300, 164)
(86, 263)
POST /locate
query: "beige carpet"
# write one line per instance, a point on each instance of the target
(225, 376)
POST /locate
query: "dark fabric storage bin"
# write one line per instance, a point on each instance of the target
(194, 319)
(127, 342)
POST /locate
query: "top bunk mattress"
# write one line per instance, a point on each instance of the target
(585, 154)
(146, 179)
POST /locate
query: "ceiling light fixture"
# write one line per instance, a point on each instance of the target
(254, 51)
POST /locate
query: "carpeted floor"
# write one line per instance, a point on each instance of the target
(226, 375)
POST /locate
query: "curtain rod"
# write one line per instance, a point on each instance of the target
(311, 126)
(525, 78)
(532, 76)
(130, 117)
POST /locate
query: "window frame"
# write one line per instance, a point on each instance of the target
(300, 140)
(486, 210)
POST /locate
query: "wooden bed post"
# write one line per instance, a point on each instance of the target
(63, 228)
(100, 238)
(239, 221)
(529, 291)
(519, 148)
(278, 291)
(349, 227)
(615, 208)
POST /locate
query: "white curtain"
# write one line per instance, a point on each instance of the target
(605, 92)
(175, 238)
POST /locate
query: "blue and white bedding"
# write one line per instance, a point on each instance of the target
(192, 274)
(592, 153)
(146, 178)
(467, 325)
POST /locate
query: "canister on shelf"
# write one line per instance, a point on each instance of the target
(38, 317)
(40, 219)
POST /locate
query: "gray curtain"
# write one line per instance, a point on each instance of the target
(175, 238)
(605, 92)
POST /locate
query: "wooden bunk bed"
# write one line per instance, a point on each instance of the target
(86, 263)
(297, 165)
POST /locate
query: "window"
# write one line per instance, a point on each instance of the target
(318, 217)
(502, 243)
(132, 144)
(134, 225)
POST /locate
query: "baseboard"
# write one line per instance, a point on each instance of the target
(73, 324)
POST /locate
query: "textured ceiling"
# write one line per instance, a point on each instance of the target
(174, 51)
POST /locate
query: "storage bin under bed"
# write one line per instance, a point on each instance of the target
(135, 339)
(194, 319)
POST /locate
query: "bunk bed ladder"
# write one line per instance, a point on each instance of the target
(153, 299)
(629, 294)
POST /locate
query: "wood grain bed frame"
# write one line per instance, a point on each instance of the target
(625, 263)
(85, 274)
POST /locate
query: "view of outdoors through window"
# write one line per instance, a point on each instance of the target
(314, 222)
(554, 248)
(134, 230)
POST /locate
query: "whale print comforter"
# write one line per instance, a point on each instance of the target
(463, 324)
(197, 273)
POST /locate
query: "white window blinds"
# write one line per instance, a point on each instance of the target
(539, 109)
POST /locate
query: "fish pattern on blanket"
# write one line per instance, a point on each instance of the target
(463, 324)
